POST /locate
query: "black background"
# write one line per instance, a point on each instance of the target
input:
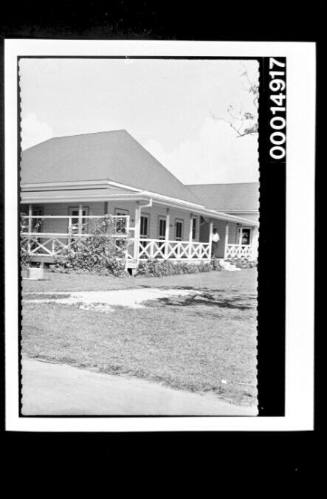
(254, 453)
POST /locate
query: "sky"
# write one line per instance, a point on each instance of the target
(177, 109)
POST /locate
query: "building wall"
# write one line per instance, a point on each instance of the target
(100, 208)
(63, 209)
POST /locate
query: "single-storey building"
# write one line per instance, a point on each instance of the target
(68, 182)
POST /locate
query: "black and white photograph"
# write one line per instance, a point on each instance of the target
(147, 183)
(139, 236)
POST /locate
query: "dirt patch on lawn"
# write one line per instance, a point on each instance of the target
(106, 301)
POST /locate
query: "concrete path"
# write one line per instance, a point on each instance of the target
(56, 389)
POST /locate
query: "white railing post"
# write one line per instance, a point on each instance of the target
(80, 220)
(151, 248)
(137, 230)
(254, 243)
(190, 238)
(178, 248)
(210, 239)
(240, 236)
(167, 233)
(226, 240)
(30, 212)
(70, 229)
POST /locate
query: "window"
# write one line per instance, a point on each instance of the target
(144, 228)
(179, 229)
(73, 212)
(37, 222)
(194, 220)
(121, 222)
(245, 237)
(162, 228)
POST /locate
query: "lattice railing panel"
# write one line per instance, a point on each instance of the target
(174, 250)
(240, 251)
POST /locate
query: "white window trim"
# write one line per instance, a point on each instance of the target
(87, 212)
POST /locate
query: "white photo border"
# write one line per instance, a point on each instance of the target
(300, 185)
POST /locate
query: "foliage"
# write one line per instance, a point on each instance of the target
(244, 121)
(160, 268)
(99, 252)
(242, 264)
(25, 258)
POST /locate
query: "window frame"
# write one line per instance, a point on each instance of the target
(120, 212)
(250, 236)
(162, 218)
(194, 227)
(84, 224)
(179, 221)
(147, 216)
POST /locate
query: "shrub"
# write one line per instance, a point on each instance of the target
(25, 258)
(242, 264)
(159, 268)
(98, 252)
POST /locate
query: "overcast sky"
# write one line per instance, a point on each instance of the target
(170, 106)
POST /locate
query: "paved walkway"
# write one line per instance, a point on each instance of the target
(56, 389)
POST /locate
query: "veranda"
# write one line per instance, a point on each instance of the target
(45, 246)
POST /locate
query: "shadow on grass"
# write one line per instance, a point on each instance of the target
(208, 299)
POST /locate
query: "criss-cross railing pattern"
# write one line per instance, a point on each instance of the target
(177, 250)
(53, 245)
(242, 251)
(36, 244)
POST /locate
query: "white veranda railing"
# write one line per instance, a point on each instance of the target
(36, 240)
(175, 250)
(52, 236)
(240, 251)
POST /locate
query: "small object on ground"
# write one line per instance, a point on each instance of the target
(35, 273)
(228, 266)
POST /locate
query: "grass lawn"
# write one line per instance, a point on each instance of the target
(197, 343)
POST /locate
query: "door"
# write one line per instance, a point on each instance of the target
(74, 212)
(120, 227)
(245, 236)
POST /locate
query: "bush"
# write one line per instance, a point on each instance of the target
(242, 264)
(160, 268)
(97, 253)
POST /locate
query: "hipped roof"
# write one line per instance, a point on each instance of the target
(228, 197)
(115, 156)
